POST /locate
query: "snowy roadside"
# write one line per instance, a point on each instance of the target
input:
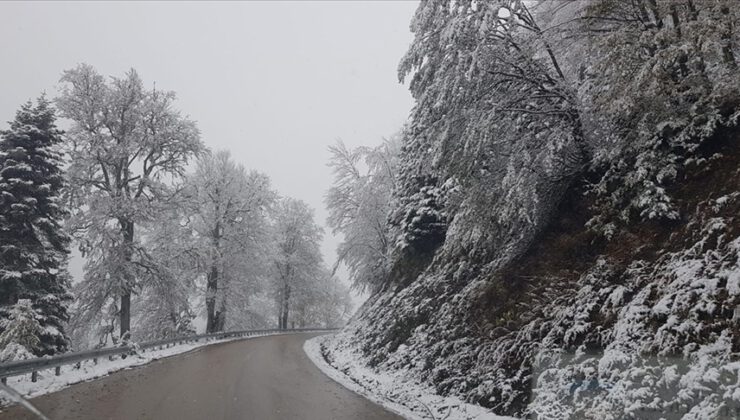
(406, 398)
(48, 382)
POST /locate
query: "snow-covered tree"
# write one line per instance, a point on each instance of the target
(126, 143)
(165, 306)
(662, 80)
(33, 244)
(359, 203)
(521, 108)
(21, 331)
(496, 135)
(297, 257)
(228, 210)
(323, 302)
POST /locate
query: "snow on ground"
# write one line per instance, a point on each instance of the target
(400, 395)
(48, 382)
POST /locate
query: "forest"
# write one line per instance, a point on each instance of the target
(169, 230)
(560, 238)
(554, 233)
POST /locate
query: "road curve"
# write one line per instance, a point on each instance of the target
(262, 378)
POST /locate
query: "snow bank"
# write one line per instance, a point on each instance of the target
(400, 395)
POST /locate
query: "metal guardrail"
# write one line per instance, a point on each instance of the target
(32, 366)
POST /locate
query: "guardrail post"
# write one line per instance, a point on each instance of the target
(58, 370)
(34, 376)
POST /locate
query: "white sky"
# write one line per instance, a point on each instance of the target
(273, 82)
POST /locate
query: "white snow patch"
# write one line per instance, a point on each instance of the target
(404, 397)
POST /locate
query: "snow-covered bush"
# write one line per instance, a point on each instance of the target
(661, 106)
(20, 337)
(421, 219)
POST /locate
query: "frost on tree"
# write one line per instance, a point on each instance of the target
(33, 244)
(227, 213)
(359, 203)
(496, 134)
(212, 245)
(297, 258)
(20, 337)
(165, 307)
(126, 142)
(665, 101)
(583, 158)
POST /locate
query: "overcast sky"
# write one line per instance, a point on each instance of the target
(273, 82)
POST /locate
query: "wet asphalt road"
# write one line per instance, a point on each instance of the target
(261, 378)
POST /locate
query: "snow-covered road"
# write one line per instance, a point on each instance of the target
(262, 378)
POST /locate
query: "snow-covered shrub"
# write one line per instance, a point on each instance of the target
(421, 219)
(20, 337)
(660, 107)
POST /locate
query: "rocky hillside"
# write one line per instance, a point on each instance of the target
(566, 213)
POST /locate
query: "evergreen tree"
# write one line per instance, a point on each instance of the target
(20, 339)
(33, 245)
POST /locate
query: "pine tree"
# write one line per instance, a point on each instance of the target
(20, 339)
(33, 245)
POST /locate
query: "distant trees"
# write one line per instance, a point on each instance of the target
(162, 247)
(324, 301)
(359, 204)
(34, 283)
(297, 257)
(124, 144)
(228, 215)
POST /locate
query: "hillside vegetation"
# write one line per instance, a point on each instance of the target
(564, 214)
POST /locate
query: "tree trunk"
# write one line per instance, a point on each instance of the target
(127, 230)
(221, 317)
(212, 322)
(727, 48)
(211, 290)
(125, 315)
(284, 308)
(281, 313)
(279, 305)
